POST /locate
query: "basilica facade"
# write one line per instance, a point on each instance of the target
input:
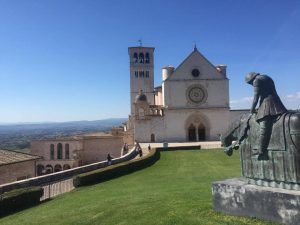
(192, 103)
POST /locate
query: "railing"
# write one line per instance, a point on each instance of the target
(61, 182)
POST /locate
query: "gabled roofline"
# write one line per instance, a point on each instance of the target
(195, 50)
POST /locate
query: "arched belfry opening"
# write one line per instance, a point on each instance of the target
(135, 57)
(141, 58)
(147, 58)
(197, 127)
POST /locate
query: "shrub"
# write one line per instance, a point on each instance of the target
(19, 198)
(117, 170)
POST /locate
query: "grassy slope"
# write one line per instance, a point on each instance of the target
(176, 190)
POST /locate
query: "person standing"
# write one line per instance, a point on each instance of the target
(109, 158)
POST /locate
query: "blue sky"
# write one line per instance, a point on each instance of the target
(63, 60)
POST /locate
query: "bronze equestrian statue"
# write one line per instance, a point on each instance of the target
(269, 139)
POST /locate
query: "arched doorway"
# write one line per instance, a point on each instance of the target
(201, 132)
(152, 137)
(192, 133)
(40, 170)
(197, 127)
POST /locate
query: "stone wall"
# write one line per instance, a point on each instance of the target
(175, 93)
(95, 149)
(17, 171)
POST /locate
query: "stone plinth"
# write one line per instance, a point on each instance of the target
(237, 197)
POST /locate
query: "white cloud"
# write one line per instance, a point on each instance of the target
(242, 100)
(293, 97)
(291, 101)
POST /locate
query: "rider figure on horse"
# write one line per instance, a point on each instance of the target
(270, 107)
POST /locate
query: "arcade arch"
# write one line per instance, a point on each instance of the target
(57, 168)
(66, 167)
(40, 170)
(49, 169)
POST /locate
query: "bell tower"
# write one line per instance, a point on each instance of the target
(141, 73)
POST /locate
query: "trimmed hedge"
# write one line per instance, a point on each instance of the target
(189, 147)
(19, 198)
(117, 170)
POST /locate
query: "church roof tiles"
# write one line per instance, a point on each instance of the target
(9, 157)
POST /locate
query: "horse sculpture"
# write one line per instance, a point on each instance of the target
(282, 167)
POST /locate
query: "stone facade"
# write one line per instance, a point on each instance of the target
(17, 171)
(192, 104)
(57, 155)
(95, 149)
(16, 166)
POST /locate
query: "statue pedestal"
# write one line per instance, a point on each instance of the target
(237, 197)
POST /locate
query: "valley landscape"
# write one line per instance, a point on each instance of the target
(18, 136)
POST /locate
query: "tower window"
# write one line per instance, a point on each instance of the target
(147, 73)
(147, 58)
(135, 57)
(136, 73)
(141, 74)
(141, 57)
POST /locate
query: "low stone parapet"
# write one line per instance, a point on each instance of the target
(64, 175)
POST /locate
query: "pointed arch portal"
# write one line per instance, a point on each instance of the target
(196, 127)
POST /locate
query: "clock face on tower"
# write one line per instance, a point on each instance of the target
(196, 94)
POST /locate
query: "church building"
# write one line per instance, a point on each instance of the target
(192, 103)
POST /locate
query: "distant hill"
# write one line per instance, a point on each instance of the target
(18, 136)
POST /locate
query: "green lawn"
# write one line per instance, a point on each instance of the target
(175, 190)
